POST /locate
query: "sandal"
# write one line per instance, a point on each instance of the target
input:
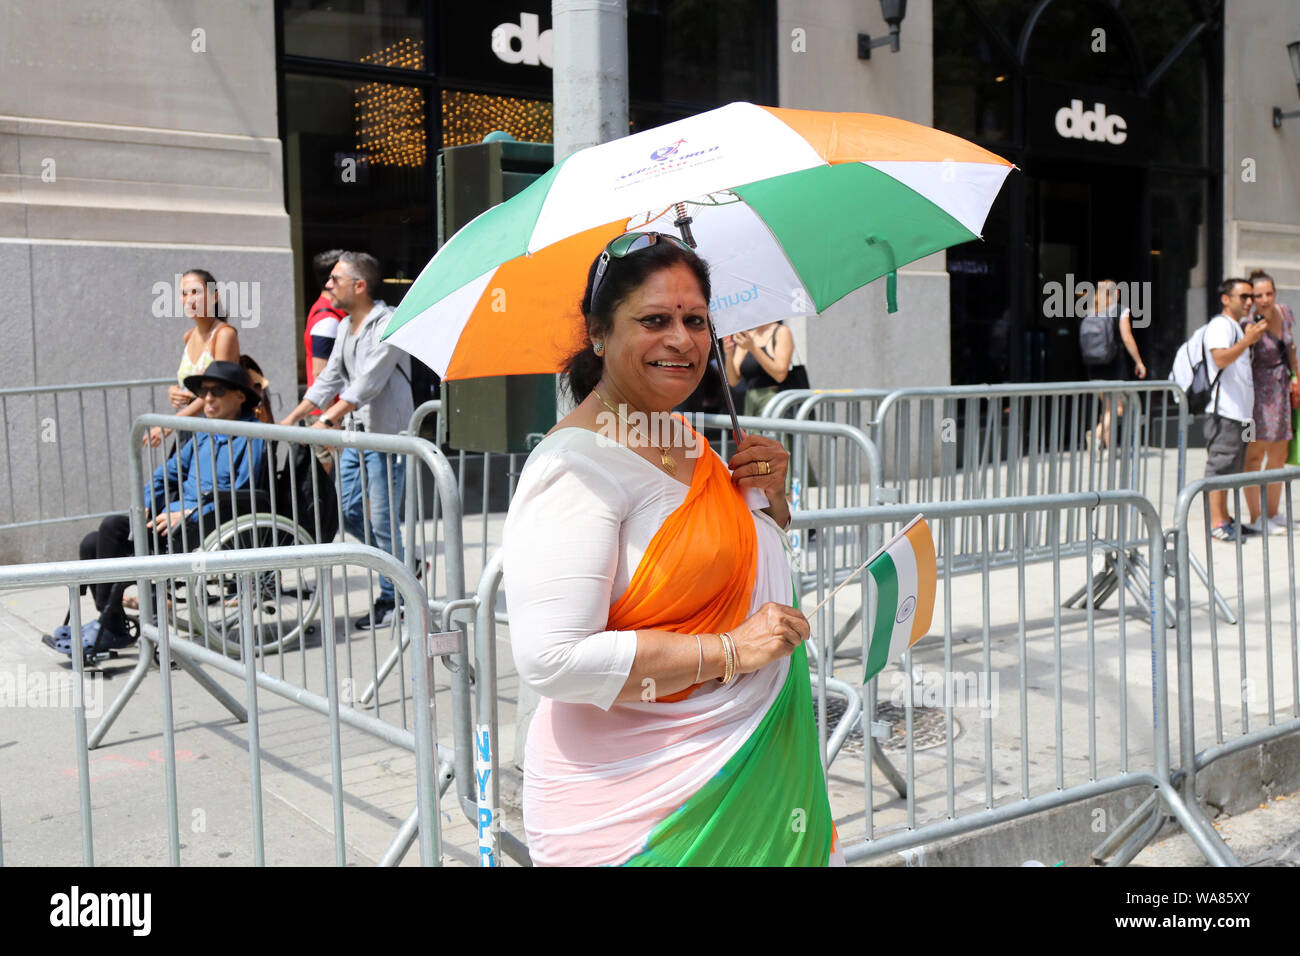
(61, 639)
(95, 640)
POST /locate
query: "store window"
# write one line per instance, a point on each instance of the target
(352, 30)
(1180, 280)
(1084, 42)
(686, 52)
(357, 175)
(973, 75)
(371, 90)
(1136, 203)
(468, 117)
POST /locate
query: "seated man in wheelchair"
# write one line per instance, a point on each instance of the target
(183, 500)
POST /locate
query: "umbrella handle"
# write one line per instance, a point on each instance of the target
(683, 224)
(736, 433)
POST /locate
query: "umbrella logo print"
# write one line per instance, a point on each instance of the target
(663, 152)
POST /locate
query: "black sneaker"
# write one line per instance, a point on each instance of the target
(382, 615)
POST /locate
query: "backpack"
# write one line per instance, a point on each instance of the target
(1193, 376)
(1098, 341)
(294, 486)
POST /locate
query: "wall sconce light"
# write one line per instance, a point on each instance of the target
(1278, 116)
(893, 11)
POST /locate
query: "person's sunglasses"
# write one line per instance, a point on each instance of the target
(216, 391)
(1246, 296)
(625, 245)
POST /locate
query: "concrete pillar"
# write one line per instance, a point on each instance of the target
(590, 73)
(590, 97)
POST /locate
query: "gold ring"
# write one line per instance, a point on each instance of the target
(764, 468)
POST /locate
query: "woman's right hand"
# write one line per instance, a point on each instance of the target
(155, 436)
(178, 396)
(771, 633)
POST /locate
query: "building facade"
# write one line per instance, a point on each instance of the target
(156, 136)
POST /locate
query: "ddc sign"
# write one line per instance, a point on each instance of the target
(523, 43)
(1074, 122)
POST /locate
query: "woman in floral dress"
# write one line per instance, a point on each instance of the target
(1273, 367)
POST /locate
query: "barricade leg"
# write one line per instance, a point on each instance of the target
(367, 697)
(1225, 609)
(201, 678)
(119, 702)
(1133, 822)
(1144, 835)
(146, 645)
(1193, 821)
(883, 765)
(254, 730)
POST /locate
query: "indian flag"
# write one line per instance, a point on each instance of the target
(905, 574)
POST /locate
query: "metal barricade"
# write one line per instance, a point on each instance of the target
(838, 467)
(1263, 573)
(963, 443)
(331, 701)
(478, 477)
(201, 602)
(1005, 625)
(41, 483)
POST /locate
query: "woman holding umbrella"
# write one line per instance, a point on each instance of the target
(649, 596)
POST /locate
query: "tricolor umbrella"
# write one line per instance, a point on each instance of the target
(791, 209)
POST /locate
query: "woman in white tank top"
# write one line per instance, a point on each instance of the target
(212, 339)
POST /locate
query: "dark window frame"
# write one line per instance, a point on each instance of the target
(1208, 33)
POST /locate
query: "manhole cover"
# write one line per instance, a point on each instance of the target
(929, 726)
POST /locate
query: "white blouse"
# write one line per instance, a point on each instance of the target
(583, 514)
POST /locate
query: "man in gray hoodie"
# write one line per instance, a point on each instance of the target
(372, 381)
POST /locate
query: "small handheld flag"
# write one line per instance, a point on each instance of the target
(905, 572)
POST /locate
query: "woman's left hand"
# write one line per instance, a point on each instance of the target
(761, 462)
(178, 396)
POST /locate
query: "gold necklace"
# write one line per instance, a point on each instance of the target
(665, 459)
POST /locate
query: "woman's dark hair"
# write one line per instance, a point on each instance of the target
(257, 380)
(1259, 275)
(210, 284)
(583, 369)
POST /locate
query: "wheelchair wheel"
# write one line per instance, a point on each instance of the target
(282, 604)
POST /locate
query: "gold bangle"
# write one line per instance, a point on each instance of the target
(726, 657)
(729, 649)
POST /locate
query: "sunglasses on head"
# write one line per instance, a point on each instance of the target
(626, 244)
(216, 391)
